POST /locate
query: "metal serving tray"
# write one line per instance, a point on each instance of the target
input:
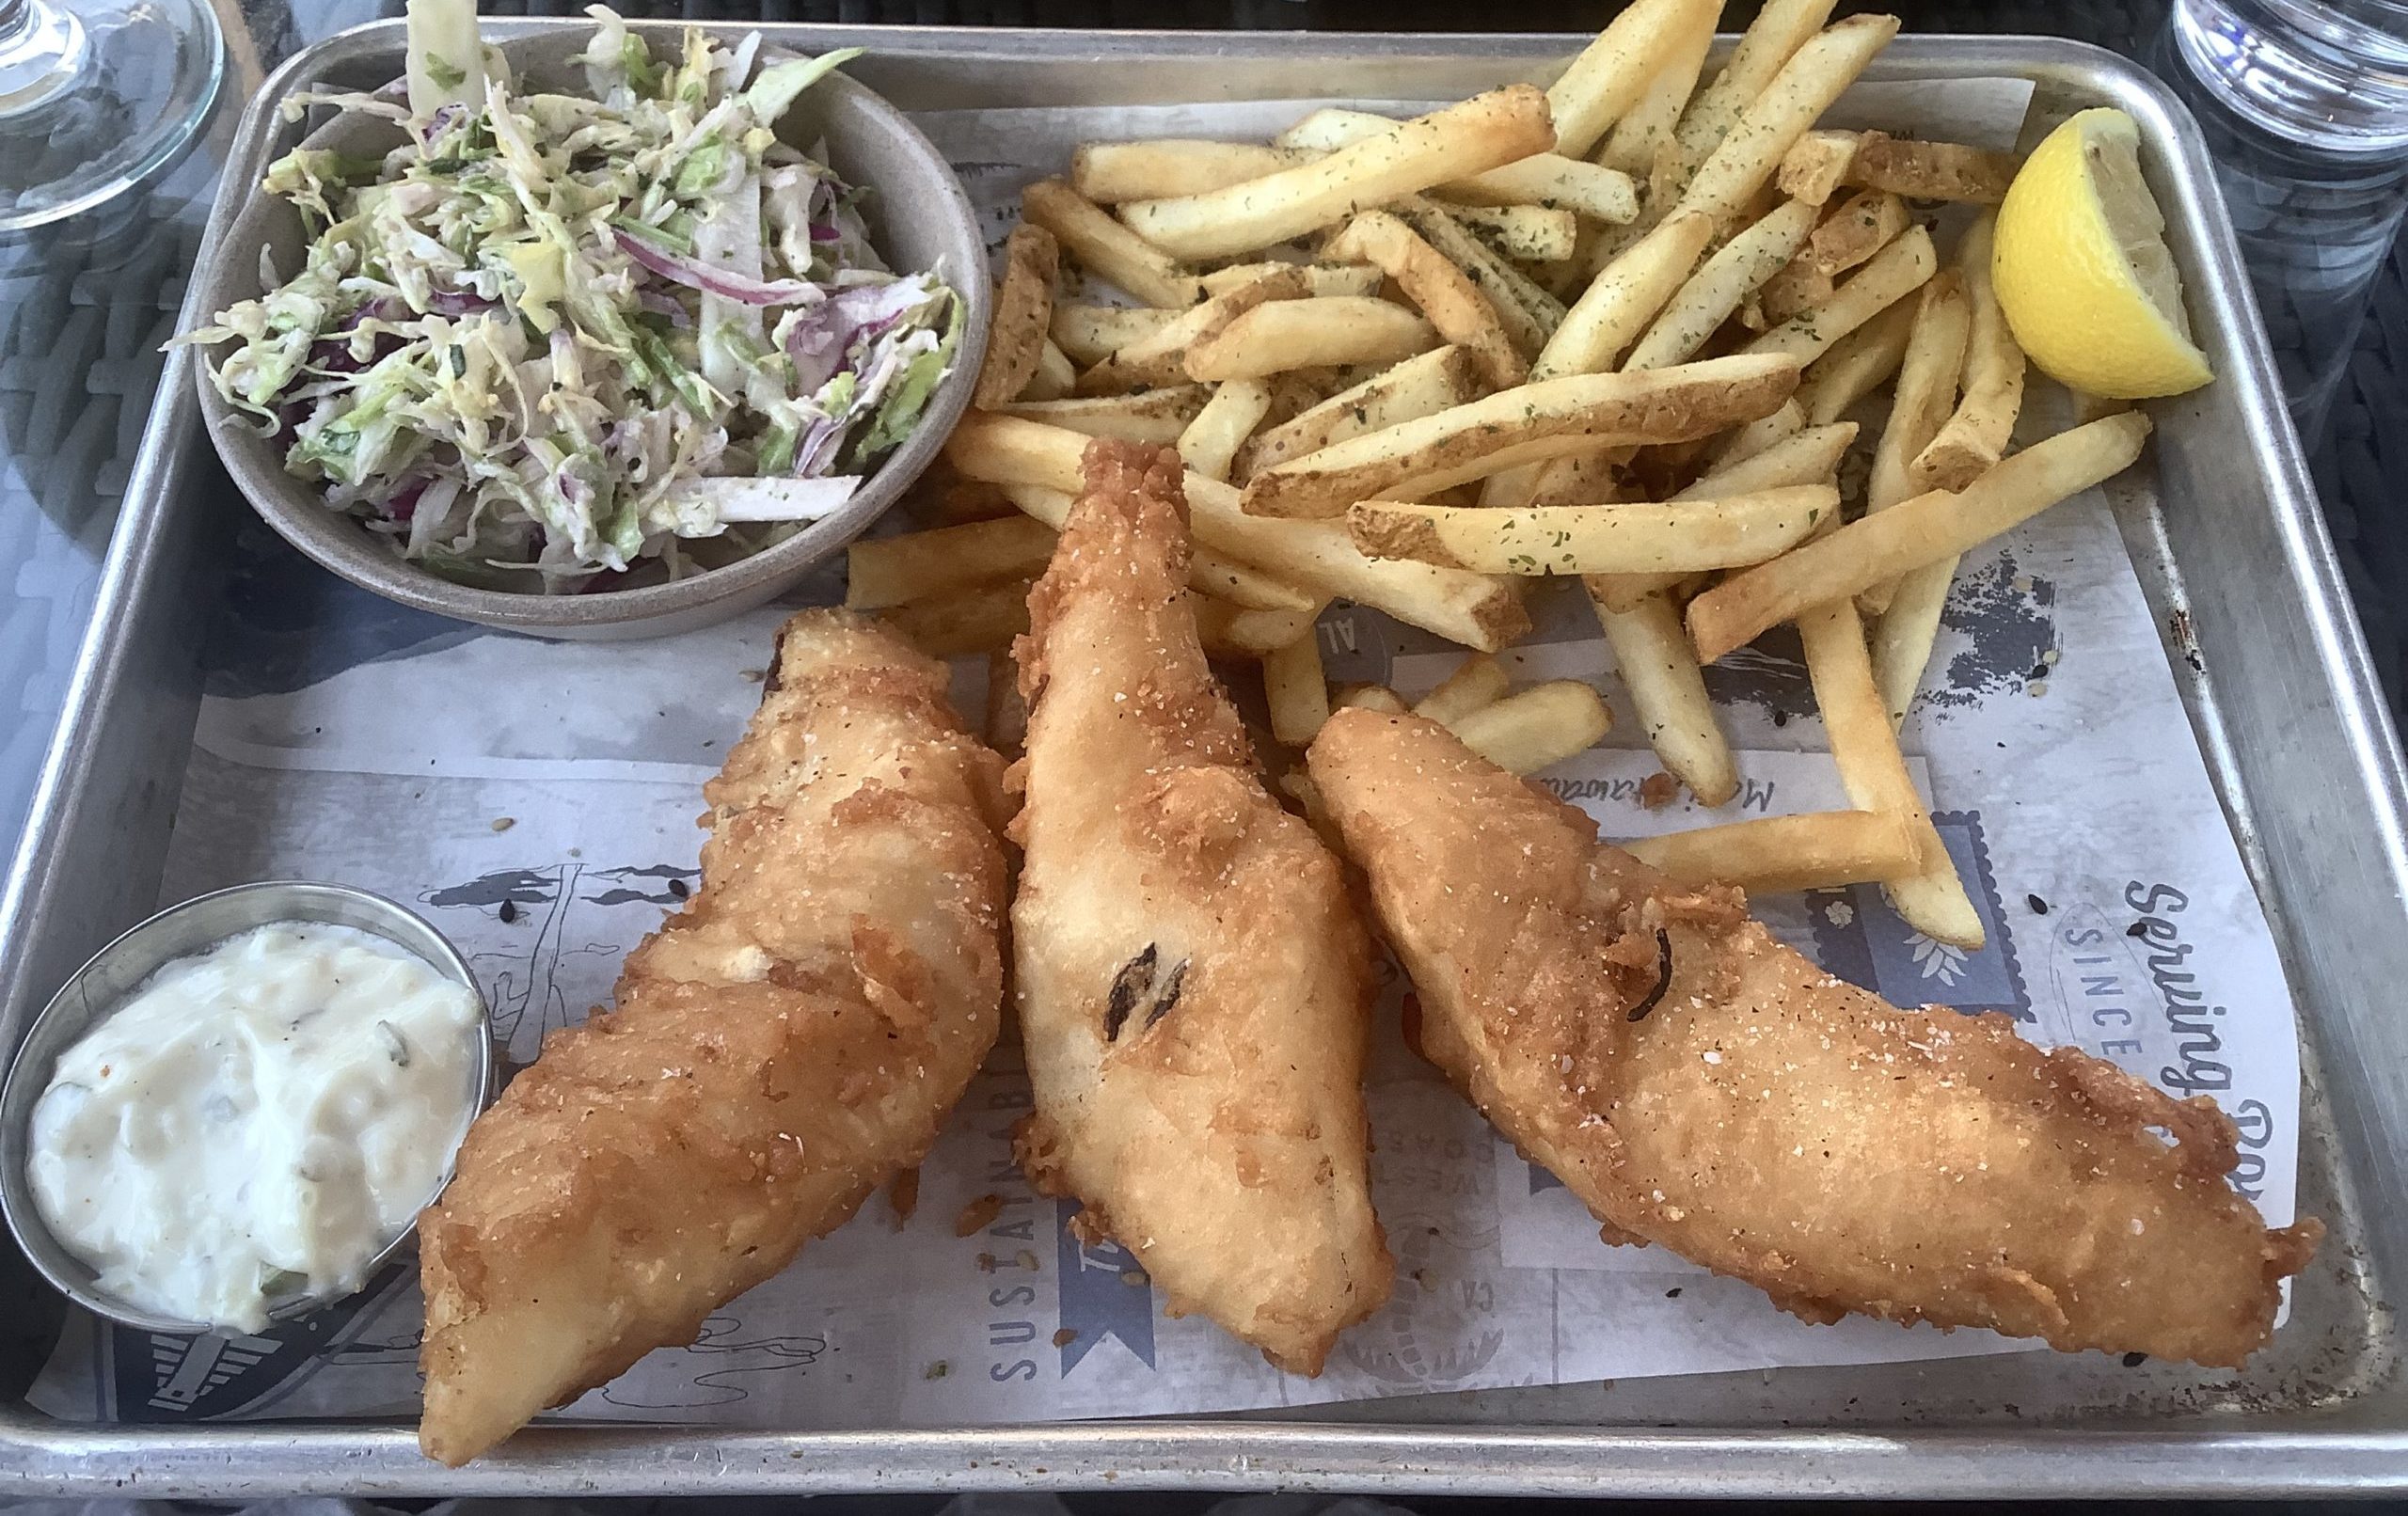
(2258, 634)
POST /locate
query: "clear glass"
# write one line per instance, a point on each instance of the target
(2305, 105)
(97, 96)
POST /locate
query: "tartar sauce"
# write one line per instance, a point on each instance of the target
(256, 1121)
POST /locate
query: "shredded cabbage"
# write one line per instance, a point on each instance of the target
(551, 335)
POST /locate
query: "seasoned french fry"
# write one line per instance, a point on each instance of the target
(1928, 894)
(1921, 403)
(1089, 334)
(1015, 332)
(1811, 169)
(1639, 537)
(1378, 698)
(1612, 72)
(1319, 278)
(1448, 300)
(1538, 727)
(1296, 691)
(1529, 233)
(1580, 413)
(1235, 632)
(1476, 610)
(924, 566)
(1931, 170)
(1226, 421)
(1976, 436)
(956, 625)
(1055, 376)
(1153, 416)
(1779, 29)
(1893, 272)
(1297, 334)
(1479, 680)
(1902, 638)
(1421, 386)
(1856, 365)
(1755, 438)
(1529, 313)
(1106, 248)
(1863, 224)
(1811, 457)
(1924, 530)
(1645, 128)
(1773, 855)
(1798, 287)
(1715, 290)
(1482, 132)
(1221, 579)
(1161, 358)
(1667, 691)
(1111, 172)
(1624, 297)
(1541, 179)
(1813, 76)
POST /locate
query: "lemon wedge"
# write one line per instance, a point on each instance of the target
(2082, 269)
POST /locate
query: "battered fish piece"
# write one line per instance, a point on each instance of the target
(1194, 987)
(1701, 1086)
(782, 1047)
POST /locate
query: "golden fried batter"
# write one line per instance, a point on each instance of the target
(1192, 986)
(1701, 1086)
(781, 1047)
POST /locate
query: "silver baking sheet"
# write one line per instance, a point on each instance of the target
(2258, 636)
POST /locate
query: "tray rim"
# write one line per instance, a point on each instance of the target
(39, 1456)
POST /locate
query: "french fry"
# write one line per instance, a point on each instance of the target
(1863, 224)
(1798, 287)
(1298, 391)
(1645, 128)
(1811, 457)
(1218, 577)
(1580, 413)
(1927, 895)
(1319, 278)
(1893, 272)
(1448, 300)
(1758, 434)
(1023, 309)
(924, 566)
(1774, 855)
(1976, 436)
(1908, 535)
(1612, 72)
(1235, 632)
(957, 625)
(1902, 638)
(1297, 334)
(1812, 168)
(1007, 724)
(957, 502)
(1542, 178)
(1161, 358)
(1152, 416)
(1538, 727)
(1378, 698)
(1421, 386)
(1106, 248)
(1715, 290)
(1089, 334)
(1921, 403)
(1296, 691)
(1751, 151)
(1931, 170)
(1475, 610)
(1055, 376)
(1478, 680)
(1779, 29)
(1482, 133)
(1528, 234)
(1624, 297)
(1226, 419)
(1111, 172)
(1639, 537)
(1528, 313)
(1856, 365)
(1667, 691)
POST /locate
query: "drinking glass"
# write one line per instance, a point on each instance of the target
(95, 97)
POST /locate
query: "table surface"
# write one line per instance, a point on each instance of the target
(84, 308)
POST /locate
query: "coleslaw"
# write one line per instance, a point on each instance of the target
(558, 341)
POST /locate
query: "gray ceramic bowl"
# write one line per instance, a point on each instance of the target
(919, 218)
(113, 973)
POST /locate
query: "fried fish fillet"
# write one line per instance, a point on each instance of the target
(781, 1047)
(1700, 1086)
(1194, 987)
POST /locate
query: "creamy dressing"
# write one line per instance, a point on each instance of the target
(258, 1120)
